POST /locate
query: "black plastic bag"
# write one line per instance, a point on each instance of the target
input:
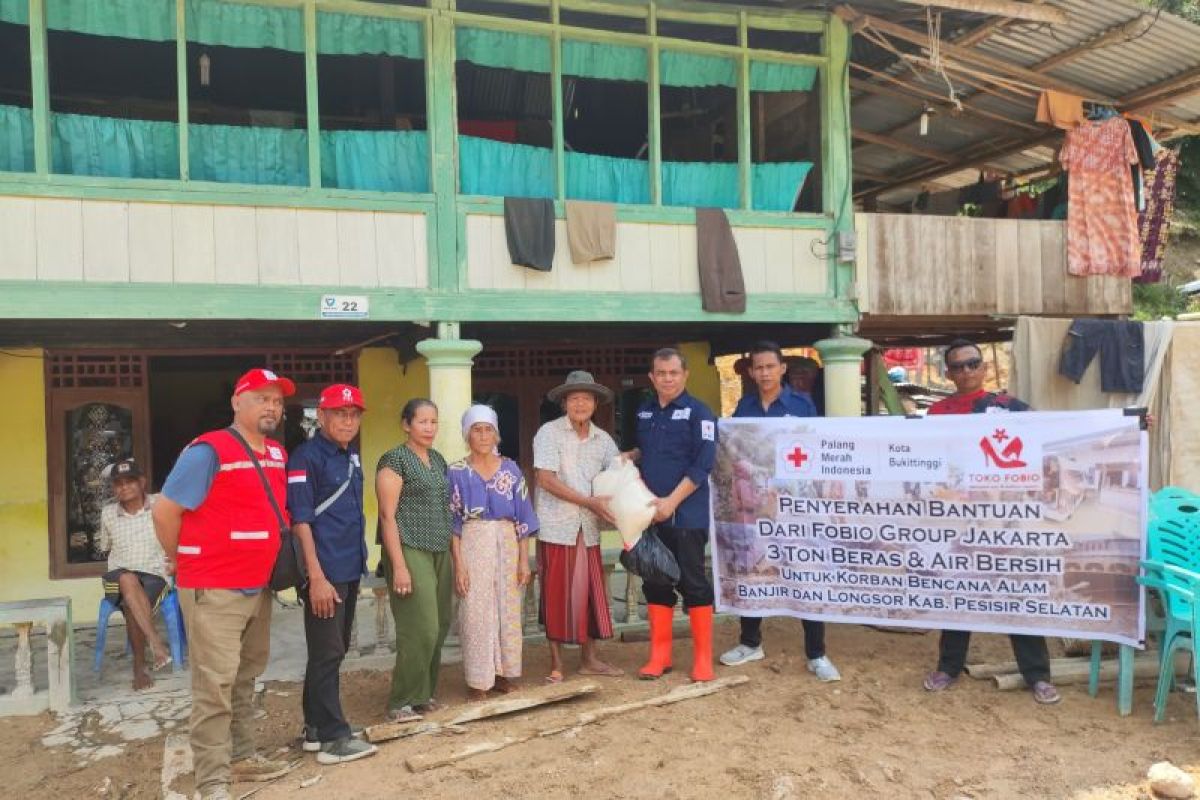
(651, 561)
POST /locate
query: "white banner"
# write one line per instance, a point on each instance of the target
(1009, 522)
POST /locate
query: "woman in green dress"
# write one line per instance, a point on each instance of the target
(414, 516)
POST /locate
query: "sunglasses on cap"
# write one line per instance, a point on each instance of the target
(971, 364)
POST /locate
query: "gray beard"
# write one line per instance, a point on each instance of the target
(266, 426)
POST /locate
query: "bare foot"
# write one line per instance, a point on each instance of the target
(142, 680)
(504, 685)
(601, 669)
(475, 695)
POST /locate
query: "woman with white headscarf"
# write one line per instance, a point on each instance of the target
(492, 519)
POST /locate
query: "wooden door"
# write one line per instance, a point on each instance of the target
(89, 429)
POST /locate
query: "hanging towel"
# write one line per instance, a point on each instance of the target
(529, 228)
(1122, 350)
(591, 230)
(1155, 222)
(721, 284)
(1060, 109)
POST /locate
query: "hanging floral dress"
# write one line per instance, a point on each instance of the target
(1102, 232)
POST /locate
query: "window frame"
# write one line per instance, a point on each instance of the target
(555, 32)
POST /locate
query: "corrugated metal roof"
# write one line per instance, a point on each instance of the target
(1165, 46)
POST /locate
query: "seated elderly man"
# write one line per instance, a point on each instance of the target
(136, 580)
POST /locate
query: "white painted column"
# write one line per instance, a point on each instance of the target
(450, 360)
(842, 358)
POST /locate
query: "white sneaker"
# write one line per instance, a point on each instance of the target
(824, 669)
(741, 655)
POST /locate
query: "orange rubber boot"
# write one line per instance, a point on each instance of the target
(702, 628)
(660, 642)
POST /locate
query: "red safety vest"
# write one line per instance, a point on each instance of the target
(231, 540)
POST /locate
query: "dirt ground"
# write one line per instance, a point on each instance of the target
(782, 735)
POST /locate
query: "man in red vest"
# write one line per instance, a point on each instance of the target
(216, 521)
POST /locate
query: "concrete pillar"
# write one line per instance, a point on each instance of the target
(842, 358)
(450, 360)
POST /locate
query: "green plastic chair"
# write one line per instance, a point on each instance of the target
(1172, 538)
(1180, 588)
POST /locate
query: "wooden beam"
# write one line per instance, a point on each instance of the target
(1002, 8)
(912, 91)
(1161, 92)
(964, 159)
(968, 56)
(896, 144)
(1116, 33)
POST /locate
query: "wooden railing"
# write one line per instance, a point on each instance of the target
(915, 265)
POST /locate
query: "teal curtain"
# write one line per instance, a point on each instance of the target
(352, 34)
(217, 22)
(113, 147)
(129, 19)
(503, 49)
(614, 62)
(616, 180)
(383, 161)
(14, 11)
(767, 76)
(777, 185)
(499, 169)
(700, 184)
(237, 154)
(689, 69)
(16, 139)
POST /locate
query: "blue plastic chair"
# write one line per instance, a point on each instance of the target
(172, 617)
(1180, 589)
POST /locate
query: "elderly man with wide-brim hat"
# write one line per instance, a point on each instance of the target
(568, 453)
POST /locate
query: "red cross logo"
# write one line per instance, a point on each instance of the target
(797, 457)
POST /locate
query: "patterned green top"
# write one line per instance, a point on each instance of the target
(423, 512)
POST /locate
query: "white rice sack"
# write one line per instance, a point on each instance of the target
(630, 499)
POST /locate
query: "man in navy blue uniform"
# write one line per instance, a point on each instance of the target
(775, 397)
(325, 499)
(677, 442)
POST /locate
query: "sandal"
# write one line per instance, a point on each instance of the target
(161, 664)
(938, 682)
(403, 714)
(1045, 694)
(555, 676)
(428, 707)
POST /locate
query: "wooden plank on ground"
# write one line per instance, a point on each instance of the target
(387, 731)
(691, 691)
(511, 705)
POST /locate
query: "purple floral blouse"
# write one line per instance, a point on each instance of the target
(504, 497)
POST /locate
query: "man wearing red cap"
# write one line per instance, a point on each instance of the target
(325, 500)
(217, 522)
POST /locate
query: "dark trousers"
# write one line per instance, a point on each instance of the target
(814, 635)
(1033, 657)
(687, 545)
(328, 640)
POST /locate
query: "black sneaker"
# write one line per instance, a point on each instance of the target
(344, 750)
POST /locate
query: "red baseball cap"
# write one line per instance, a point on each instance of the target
(256, 379)
(341, 395)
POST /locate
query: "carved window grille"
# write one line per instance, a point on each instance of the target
(96, 371)
(315, 368)
(529, 362)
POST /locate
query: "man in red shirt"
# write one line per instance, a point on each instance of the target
(217, 522)
(965, 367)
